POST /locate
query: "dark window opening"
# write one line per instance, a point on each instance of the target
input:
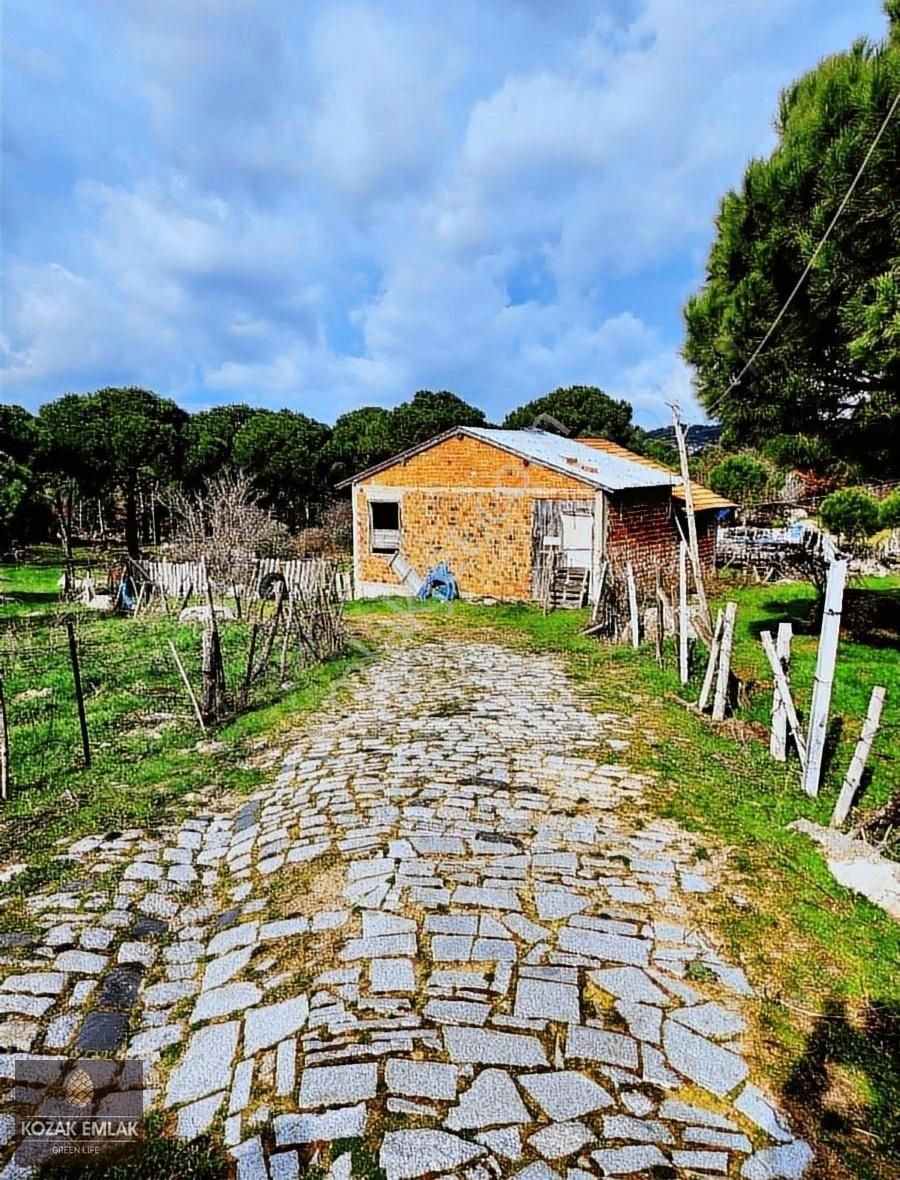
(384, 516)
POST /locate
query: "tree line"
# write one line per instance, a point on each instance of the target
(86, 460)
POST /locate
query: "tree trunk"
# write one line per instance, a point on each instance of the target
(132, 540)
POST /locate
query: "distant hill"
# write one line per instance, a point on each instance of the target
(699, 436)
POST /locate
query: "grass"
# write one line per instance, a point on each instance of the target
(824, 961)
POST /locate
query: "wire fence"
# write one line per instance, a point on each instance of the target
(78, 688)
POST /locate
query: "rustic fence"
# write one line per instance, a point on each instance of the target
(301, 575)
(81, 688)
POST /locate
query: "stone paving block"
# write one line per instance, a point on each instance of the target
(709, 1065)
(220, 970)
(457, 1012)
(625, 1161)
(488, 899)
(755, 1106)
(421, 1079)
(266, 1026)
(18, 1005)
(383, 946)
(206, 1064)
(615, 948)
(285, 1165)
(233, 937)
(223, 1001)
(624, 1126)
(196, 1118)
(547, 999)
(491, 1100)
(629, 983)
(80, 962)
(503, 1141)
(715, 1162)
(711, 1020)
(338, 1085)
(102, 1032)
(345, 1122)
(36, 983)
(285, 1066)
(644, 1020)
(710, 1138)
(405, 1155)
(561, 1139)
(241, 1086)
(479, 1045)
(565, 1094)
(787, 1161)
(594, 1044)
(451, 948)
(392, 975)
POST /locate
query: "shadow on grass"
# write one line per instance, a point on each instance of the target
(848, 1084)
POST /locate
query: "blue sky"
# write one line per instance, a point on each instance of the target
(323, 205)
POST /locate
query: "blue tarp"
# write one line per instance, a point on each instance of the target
(439, 583)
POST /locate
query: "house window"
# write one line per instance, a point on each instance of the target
(384, 526)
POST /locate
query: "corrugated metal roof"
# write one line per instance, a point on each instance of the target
(703, 497)
(610, 471)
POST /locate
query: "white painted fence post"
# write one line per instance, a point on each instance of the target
(721, 698)
(632, 607)
(784, 689)
(860, 754)
(778, 737)
(824, 678)
(711, 663)
(683, 670)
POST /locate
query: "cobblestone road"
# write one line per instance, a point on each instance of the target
(434, 930)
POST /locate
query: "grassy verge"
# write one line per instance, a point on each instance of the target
(823, 961)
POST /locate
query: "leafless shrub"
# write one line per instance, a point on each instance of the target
(225, 525)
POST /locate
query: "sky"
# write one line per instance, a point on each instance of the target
(324, 205)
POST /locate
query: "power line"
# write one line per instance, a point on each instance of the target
(812, 258)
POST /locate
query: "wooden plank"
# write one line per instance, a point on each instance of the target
(79, 694)
(4, 746)
(187, 685)
(709, 674)
(633, 607)
(824, 676)
(683, 669)
(778, 736)
(720, 700)
(784, 688)
(860, 755)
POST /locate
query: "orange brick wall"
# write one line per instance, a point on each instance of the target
(470, 463)
(469, 504)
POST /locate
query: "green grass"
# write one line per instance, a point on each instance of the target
(824, 961)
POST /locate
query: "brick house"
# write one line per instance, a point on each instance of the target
(502, 507)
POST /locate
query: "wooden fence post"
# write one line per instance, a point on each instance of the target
(860, 754)
(683, 669)
(660, 618)
(79, 694)
(632, 607)
(711, 663)
(724, 674)
(187, 685)
(784, 688)
(824, 677)
(691, 522)
(778, 736)
(4, 747)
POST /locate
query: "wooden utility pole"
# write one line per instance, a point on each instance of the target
(79, 694)
(824, 678)
(778, 736)
(784, 688)
(860, 754)
(4, 747)
(691, 521)
(720, 700)
(683, 669)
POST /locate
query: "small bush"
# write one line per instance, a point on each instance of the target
(851, 513)
(889, 513)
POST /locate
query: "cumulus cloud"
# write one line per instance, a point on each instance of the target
(330, 204)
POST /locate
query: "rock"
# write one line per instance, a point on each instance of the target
(787, 1161)
(644, 1020)
(38, 983)
(629, 983)
(220, 970)
(147, 1043)
(408, 1154)
(623, 1161)
(222, 1001)
(623, 1126)
(702, 1161)
(561, 1139)
(80, 962)
(491, 1100)
(616, 948)
(273, 1023)
(392, 975)
(203, 614)
(565, 1094)
(34, 1006)
(594, 1044)
(286, 1166)
(205, 1065)
(420, 1079)
(754, 1105)
(503, 1141)
(102, 1032)
(709, 1065)
(346, 1122)
(711, 1020)
(338, 1085)
(682, 1112)
(119, 989)
(193, 1120)
(543, 998)
(481, 1046)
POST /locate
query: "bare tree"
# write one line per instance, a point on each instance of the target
(225, 525)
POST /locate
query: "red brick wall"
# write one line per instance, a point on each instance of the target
(642, 529)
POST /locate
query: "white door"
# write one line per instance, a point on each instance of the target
(577, 540)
